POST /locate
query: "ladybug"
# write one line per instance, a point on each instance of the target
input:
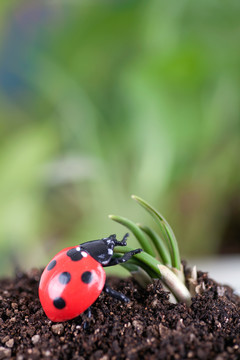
(75, 277)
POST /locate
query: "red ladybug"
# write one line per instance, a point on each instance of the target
(75, 277)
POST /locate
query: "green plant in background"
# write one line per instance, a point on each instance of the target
(160, 258)
(111, 98)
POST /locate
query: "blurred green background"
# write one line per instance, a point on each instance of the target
(102, 99)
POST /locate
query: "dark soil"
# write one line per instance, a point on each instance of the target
(149, 327)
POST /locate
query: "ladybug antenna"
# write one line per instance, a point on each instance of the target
(113, 236)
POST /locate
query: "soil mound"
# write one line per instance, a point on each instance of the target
(149, 327)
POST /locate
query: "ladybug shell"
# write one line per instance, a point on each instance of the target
(70, 283)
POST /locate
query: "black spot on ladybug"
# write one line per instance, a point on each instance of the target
(74, 254)
(59, 303)
(64, 278)
(51, 265)
(87, 277)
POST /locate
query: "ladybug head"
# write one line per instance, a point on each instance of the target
(102, 250)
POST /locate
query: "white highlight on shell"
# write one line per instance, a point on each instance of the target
(105, 262)
(110, 251)
(84, 254)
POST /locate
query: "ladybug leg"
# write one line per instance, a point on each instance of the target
(123, 242)
(115, 294)
(124, 258)
(88, 312)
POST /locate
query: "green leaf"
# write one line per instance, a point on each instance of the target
(143, 259)
(159, 244)
(166, 230)
(139, 234)
(139, 274)
(135, 262)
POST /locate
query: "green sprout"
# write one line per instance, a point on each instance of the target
(160, 258)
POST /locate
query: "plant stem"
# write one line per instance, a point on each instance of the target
(175, 285)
